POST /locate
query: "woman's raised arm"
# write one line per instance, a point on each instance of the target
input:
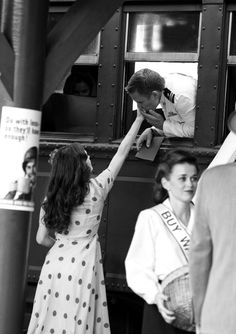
(124, 148)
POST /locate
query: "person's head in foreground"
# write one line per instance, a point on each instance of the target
(68, 184)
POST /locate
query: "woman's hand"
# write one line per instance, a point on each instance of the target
(166, 314)
(140, 113)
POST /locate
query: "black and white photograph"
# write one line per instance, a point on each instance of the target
(118, 166)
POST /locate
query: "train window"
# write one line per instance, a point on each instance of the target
(163, 32)
(233, 35)
(166, 41)
(72, 107)
(231, 71)
(166, 68)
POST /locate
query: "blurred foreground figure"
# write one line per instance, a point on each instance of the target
(213, 249)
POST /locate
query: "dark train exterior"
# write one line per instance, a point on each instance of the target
(199, 39)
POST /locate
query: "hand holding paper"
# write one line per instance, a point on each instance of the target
(149, 153)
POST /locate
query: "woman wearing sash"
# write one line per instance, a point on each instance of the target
(155, 250)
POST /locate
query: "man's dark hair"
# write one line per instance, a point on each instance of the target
(145, 81)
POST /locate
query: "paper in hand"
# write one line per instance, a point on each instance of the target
(150, 152)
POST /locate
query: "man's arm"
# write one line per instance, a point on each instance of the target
(185, 108)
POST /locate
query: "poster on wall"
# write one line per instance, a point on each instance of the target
(19, 143)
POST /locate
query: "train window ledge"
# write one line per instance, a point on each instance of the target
(175, 141)
(56, 138)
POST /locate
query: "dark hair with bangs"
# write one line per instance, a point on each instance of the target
(145, 81)
(68, 186)
(165, 167)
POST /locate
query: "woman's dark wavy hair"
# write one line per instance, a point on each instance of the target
(68, 186)
(165, 167)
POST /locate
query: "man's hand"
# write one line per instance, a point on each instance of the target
(153, 118)
(146, 136)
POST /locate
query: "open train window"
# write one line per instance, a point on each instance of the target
(72, 107)
(163, 39)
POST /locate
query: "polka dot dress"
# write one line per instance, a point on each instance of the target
(70, 296)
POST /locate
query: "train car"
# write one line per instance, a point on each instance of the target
(90, 105)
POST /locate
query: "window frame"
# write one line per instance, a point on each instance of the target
(160, 56)
(132, 57)
(231, 59)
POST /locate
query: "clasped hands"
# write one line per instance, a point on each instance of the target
(153, 118)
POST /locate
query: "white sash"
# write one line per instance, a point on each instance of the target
(176, 228)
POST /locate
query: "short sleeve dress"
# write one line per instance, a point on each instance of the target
(70, 296)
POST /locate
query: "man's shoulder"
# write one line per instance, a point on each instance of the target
(221, 170)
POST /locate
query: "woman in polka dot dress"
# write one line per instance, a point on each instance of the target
(70, 296)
